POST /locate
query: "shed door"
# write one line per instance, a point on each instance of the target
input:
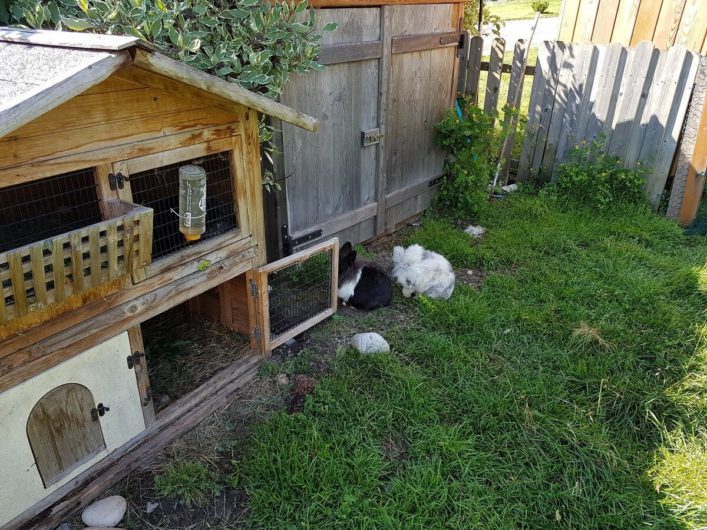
(62, 431)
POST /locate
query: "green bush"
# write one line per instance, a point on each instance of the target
(473, 145)
(255, 43)
(190, 483)
(471, 18)
(593, 178)
(540, 6)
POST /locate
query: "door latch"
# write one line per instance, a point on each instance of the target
(100, 410)
(371, 137)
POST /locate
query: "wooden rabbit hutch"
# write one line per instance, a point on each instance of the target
(94, 130)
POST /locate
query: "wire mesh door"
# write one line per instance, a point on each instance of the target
(295, 293)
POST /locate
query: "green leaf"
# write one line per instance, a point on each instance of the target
(330, 26)
(193, 45)
(83, 5)
(248, 3)
(76, 24)
(173, 35)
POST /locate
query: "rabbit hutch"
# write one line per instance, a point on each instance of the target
(130, 185)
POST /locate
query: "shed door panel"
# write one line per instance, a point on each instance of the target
(420, 93)
(62, 432)
(328, 174)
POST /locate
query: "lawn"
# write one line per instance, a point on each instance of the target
(567, 391)
(520, 9)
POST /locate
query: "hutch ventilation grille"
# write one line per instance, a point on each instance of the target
(159, 189)
(297, 292)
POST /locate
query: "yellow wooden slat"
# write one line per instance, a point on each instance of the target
(39, 281)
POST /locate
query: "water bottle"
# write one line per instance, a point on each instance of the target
(192, 201)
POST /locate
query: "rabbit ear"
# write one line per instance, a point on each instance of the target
(345, 249)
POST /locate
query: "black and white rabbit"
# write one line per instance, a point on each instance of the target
(362, 285)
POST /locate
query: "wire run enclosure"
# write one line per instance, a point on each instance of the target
(295, 293)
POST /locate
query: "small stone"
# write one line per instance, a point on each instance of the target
(509, 188)
(370, 343)
(475, 231)
(105, 513)
(282, 379)
(152, 506)
(290, 342)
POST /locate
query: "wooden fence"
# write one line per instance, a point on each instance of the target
(636, 98)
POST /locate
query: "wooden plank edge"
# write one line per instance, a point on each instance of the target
(331, 54)
(427, 41)
(179, 418)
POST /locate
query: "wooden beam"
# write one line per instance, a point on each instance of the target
(59, 90)
(429, 41)
(397, 197)
(384, 69)
(162, 65)
(350, 52)
(342, 222)
(176, 420)
(508, 68)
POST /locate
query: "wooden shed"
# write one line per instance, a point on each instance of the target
(93, 132)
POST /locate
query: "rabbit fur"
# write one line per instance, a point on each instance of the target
(362, 285)
(421, 271)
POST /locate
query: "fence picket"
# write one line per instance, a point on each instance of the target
(605, 90)
(583, 65)
(558, 113)
(632, 96)
(534, 112)
(675, 96)
(493, 81)
(463, 61)
(554, 59)
(515, 88)
(473, 69)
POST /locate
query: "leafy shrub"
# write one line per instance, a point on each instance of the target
(190, 483)
(256, 43)
(473, 144)
(540, 6)
(593, 178)
(471, 18)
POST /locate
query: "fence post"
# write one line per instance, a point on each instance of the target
(689, 179)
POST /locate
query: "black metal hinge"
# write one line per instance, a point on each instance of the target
(253, 289)
(117, 180)
(134, 359)
(461, 45)
(288, 242)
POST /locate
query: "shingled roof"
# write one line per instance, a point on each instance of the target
(40, 70)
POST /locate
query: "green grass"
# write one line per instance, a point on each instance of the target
(520, 9)
(190, 483)
(568, 392)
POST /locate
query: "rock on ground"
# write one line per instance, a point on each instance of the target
(105, 513)
(370, 343)
(475, 231)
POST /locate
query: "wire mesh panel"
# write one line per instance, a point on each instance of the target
(44, 208)
(298, 292)
(159, 189)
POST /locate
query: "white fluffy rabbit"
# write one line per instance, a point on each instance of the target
(422, 271)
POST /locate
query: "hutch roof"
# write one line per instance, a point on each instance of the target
(39, 70)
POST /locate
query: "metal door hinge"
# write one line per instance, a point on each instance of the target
(289, 243)
(100, 410)
(461, 45)
(117, 180)
(134, 359)
(253, 289)
(256, 333)
(148, 397)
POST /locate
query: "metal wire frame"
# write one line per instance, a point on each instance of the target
(299, 292)
(38, 210)
(159, 189)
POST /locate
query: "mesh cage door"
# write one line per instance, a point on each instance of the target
(293, 294)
